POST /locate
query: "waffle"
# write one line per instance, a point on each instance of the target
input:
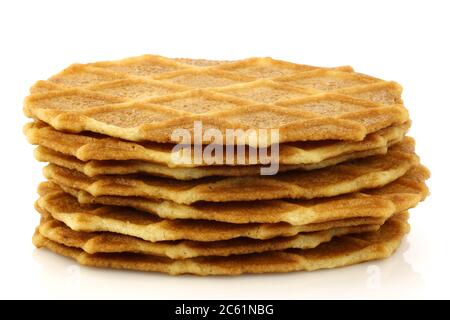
(402, 194)
(343, 178)
(148, 97)
(105, 242)
(341, 251)
(113, 167)
(94, 147)
(66, 209)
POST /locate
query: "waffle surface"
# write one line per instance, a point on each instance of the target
(343, 178)
(146, 98)
(341, 251)
(97, 147)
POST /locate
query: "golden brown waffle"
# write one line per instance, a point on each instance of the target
(402, 194)
(341, 251)
(97, 147)
(113, 167)
(97, 242)
(343, 178)
(66, 209)
(148, 97)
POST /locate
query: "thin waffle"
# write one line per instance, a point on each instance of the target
(113, 167)
(341, 251)
(66, 209)
(97, 242)
(112, 98)
(96, 147)
(343, 178)
(400, 195)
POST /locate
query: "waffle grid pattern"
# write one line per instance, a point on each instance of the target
(146, 97)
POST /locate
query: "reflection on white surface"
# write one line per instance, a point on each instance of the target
(63, 278)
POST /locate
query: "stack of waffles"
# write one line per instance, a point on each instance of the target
(221, 167)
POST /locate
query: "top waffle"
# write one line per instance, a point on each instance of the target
(147, 97)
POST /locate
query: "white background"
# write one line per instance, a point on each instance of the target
(405, 41)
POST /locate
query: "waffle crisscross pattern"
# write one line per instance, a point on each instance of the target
(147, 97)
